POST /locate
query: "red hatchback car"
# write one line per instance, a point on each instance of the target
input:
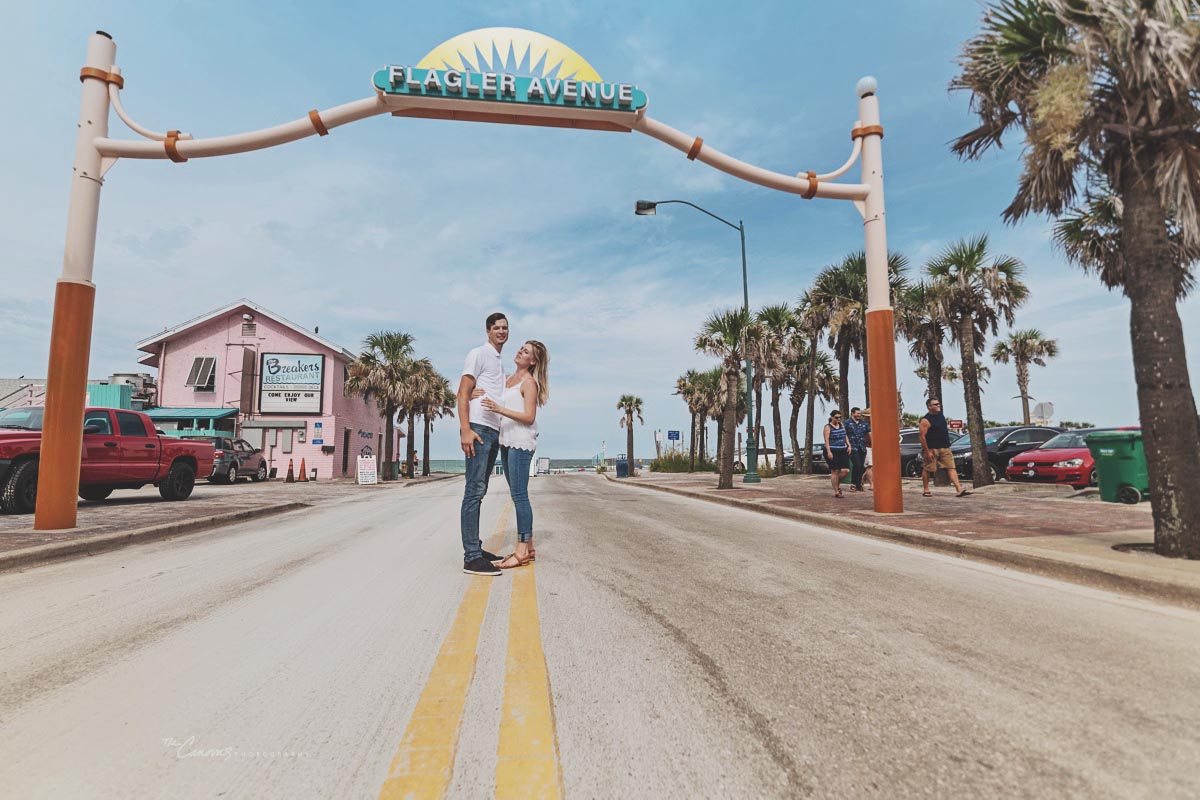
(1063, 459)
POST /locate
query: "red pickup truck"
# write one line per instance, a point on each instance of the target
(121, 450)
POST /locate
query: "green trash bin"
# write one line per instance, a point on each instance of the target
(1120, 465)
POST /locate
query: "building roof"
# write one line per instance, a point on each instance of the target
(147, 345)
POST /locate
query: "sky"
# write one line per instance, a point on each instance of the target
(428, 226)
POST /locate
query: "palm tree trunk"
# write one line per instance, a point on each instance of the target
(1166, 405)
(629, 441)
(793, 422)
(844, 379)
(777, 421)
(692, 444)
(981, 473)
(933, 379)
(412, 442)
(389, 465)
(1023, 387)
(728, 423)
(866, 379)
(425, 448)
(810, 414)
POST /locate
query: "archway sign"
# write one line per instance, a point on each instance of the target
(498, 75)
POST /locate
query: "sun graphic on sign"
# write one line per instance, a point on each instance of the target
(512, 50)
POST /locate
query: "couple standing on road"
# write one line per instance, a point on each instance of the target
(497, 415)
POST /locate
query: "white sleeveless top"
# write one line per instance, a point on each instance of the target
(513, 433)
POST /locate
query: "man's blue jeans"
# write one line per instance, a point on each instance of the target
(516, 471)
(479, 469)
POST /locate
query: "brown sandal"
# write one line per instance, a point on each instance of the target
(512, 561)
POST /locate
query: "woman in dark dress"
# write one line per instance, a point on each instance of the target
(837, 451)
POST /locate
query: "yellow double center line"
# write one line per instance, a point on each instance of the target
(527, 765)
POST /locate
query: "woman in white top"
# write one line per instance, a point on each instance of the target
(524, 391)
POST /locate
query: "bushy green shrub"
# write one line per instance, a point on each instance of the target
(601, 469)
(680, 462)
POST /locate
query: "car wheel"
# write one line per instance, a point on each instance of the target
(1129, 495)
(95, 494)
(739, 466)
(1094, 478)
(232, 476)
(260, 474)
(19, 493)
(178, 484)
(996, 473)
(912, 469)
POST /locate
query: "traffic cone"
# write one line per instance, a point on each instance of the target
(303, 473)
(291, 476)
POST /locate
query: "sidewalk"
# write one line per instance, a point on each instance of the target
(130, 516)
(1046, 530)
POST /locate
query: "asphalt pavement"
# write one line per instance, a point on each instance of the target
(659, 647)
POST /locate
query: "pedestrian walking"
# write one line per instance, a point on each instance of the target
(935, 448)
(524, 392)
(837, 451)
(868, 475)
(858, 428)
(479, 435)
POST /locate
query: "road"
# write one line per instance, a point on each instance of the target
(689, 650)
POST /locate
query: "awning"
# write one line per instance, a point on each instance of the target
(190, 413)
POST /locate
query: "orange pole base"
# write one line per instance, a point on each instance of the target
(885, 411)
(66, 393)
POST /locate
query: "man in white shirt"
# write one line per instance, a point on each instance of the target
(479, 433)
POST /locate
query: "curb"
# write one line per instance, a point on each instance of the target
(1047, 566)
(59, 551)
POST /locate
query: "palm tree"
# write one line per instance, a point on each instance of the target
(710, 404)
(844, 289)
(420, 385)
(1104, 93)
(977, 291)
(920, 322)
(1024, 348)
(687, 386)
(440, 402)
(812, 314)
(778, 326)
(802, 363)
(724, 335)
(380, 373)
(631, 406)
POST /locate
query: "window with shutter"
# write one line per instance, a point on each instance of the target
(202, 376)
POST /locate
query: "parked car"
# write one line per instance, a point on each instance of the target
(820, 466)
(1063, 459)
(121, 450)
(1002, 444)
(234, 458)
(910, 451)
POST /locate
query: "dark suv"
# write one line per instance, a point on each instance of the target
(1002, 444)
(234, 457)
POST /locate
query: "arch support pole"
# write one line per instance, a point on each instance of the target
(881, 338)
(74, 299)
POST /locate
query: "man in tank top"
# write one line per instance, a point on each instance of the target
(479, 434)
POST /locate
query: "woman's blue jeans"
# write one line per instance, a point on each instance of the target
(516, 471)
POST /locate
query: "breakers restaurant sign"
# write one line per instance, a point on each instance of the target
(513, 76)
(291, 383)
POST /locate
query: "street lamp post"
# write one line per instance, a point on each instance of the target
(647, 208)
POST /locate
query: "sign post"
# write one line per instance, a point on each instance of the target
(367, 474)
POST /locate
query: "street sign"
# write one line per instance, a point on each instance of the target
(672, 436)
(318, 433)
(955, 424)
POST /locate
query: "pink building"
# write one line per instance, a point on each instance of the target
(245, 371)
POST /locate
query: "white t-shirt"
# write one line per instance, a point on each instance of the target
(484, 365)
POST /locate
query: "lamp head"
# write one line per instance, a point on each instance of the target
(866, 86)
(645, 208)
